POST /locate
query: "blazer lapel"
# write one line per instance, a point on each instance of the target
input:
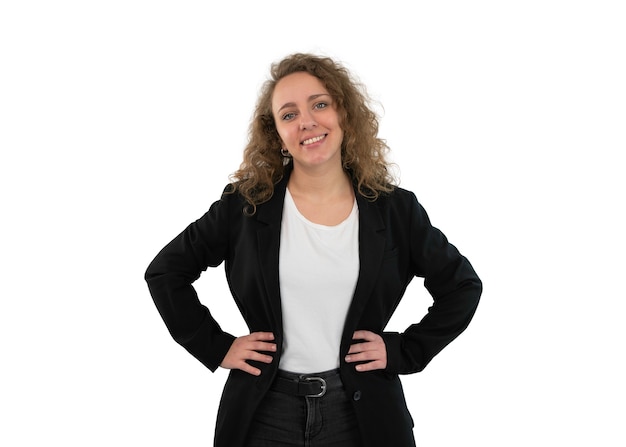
(270, 214)
(371, 250)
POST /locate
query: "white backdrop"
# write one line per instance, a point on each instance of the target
(120, 122)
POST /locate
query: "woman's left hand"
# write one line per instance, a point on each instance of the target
(370, 350)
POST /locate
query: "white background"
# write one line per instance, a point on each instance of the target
(120, 122)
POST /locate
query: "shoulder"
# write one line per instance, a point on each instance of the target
(234, 196)
(224, 209)
(233, 208)
(396, 198)
(232, 200)
(401, 194)
(398, 208)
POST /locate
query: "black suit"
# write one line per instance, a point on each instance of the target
(396, 244)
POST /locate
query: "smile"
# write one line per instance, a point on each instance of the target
(313, 140)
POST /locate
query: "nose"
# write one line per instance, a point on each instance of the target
(307, 122)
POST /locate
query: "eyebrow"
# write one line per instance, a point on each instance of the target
(311, 98)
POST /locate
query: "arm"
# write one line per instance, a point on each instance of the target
(454, 286)
(170, 276)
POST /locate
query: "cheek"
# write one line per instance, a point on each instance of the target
(284, 133)
(281, 135)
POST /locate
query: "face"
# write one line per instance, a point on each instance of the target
(307, 121)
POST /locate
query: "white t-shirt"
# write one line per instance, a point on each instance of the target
(319, 267)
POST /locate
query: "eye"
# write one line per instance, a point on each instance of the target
(288, 116)
(320, 105)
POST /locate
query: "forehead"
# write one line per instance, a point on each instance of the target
(296, 87)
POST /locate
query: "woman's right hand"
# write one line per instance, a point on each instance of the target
(249, 347)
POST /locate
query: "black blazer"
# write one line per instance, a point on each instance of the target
(396, 244)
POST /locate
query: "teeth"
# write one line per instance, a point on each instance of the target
(313, 140)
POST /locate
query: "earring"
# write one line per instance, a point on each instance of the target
(285, 153)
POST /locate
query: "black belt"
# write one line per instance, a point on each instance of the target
(306, 385)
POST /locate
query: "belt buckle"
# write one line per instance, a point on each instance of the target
(322, 384)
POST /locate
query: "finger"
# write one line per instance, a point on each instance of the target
(365, 335)
(357, 347)
(371, 366)
(253, 355)
(243, 349)
(368, 361)
(246, 367)
(261, 336)
(367, 346)
(366, 356)
(243, 364)
(363, 347)
(261, 346)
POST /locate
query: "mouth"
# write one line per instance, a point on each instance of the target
(313, 140)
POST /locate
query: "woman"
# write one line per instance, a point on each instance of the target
(319, 247)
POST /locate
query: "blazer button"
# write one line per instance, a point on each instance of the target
(356, 395)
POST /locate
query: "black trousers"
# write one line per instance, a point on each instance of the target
(285, 419)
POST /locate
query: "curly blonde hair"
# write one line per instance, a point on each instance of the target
(363, 153)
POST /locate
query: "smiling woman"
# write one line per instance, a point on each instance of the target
(308, 124)
(319, 247)
(363, 153)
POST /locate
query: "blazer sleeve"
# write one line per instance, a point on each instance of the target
(171, 274)
(451, 281)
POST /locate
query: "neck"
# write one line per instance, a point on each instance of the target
(319, 185)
